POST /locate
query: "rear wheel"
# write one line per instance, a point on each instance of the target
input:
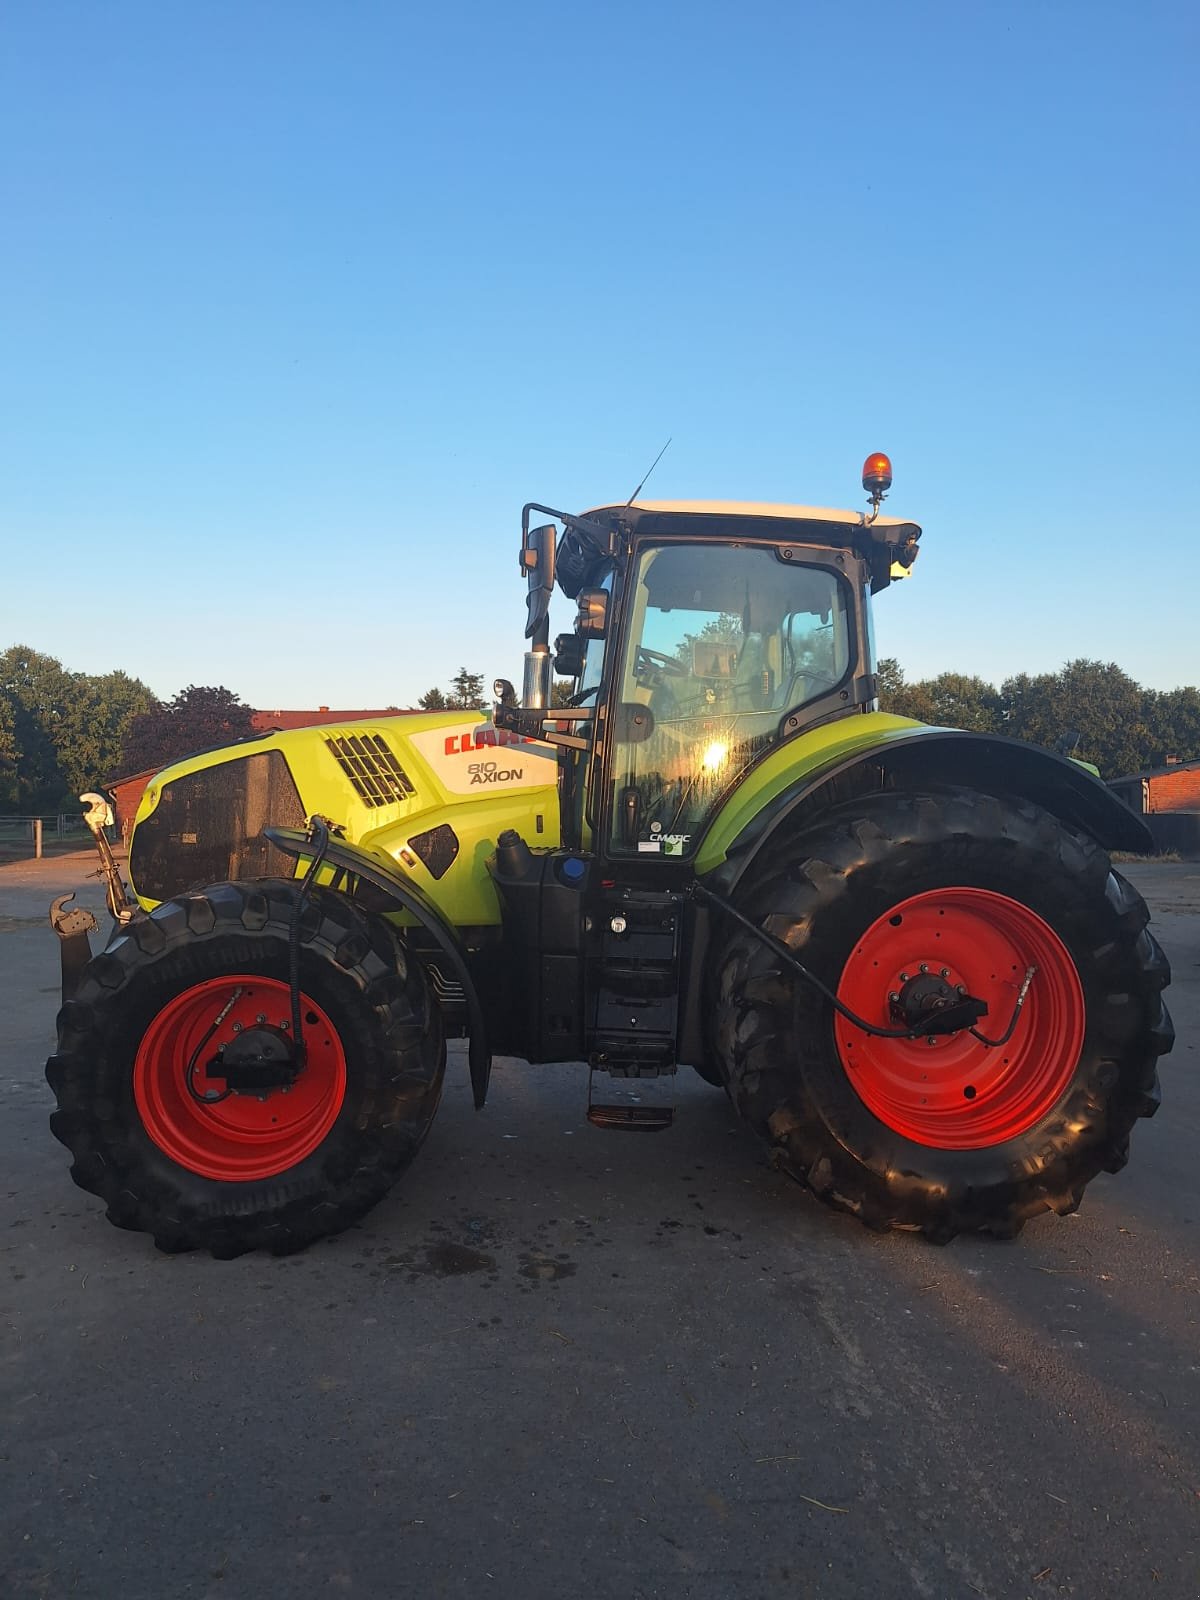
(944, 1133)
(195, 998)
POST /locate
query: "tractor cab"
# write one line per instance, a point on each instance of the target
(706, 634)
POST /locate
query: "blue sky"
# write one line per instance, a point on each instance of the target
(299, 304)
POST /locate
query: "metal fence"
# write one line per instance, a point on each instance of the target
(30, 835)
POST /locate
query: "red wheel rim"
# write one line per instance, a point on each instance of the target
(957, 1093)
(242, 1138)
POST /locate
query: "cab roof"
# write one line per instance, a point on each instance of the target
(743, 509)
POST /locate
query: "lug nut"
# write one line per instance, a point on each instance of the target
(261, 1017)
(237, 1027)
(945, 972)
(894, 999)
(924, 967)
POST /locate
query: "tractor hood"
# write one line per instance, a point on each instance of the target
(429, 793)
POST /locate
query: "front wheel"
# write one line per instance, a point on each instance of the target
(966, 1131)
(178, 1093)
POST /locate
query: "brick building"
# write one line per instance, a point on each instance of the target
(1168, 798)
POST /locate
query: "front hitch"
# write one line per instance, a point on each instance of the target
(99, 816)
(74, 925)
(75, 948)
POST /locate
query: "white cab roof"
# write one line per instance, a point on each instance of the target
(754, 508)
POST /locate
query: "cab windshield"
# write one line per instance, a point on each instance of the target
(723, 641)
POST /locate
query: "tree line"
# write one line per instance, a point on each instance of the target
(466, 694)
(63, 731)
(1121, 726)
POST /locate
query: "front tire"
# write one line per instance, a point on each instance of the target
(173, 1157)
(950, 1136)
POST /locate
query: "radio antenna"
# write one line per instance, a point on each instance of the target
(646, 479)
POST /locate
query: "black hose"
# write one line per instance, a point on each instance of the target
(701, 892)
(995, 1044)
(210, 1097)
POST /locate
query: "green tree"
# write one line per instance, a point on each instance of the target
(959, 701)
(464, 694)
(60, 731)
(94, 727)
(1173, 719)
(901, 698)
(466, 691)
(1096, 699)
(38, 690)
(9, 754)
(890, 674)
(197, 718)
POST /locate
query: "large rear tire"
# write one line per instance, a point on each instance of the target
(245, 1171)
(945, 1135)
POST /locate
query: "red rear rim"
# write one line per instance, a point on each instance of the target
(952, 1091)
(242, 1138)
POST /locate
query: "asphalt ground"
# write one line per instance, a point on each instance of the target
(559, 1362)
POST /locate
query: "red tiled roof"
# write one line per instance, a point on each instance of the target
(265, 721)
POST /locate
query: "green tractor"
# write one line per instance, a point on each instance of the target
(901, 950)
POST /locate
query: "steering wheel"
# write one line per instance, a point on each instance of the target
(648, 660)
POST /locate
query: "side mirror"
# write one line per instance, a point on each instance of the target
(568, 655)
(537, 563)
(591, 621)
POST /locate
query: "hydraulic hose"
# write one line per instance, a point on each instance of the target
(318, 831)
(702, 893)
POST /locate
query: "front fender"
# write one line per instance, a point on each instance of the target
(911, 756)
(407, 896)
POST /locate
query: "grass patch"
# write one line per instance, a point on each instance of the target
(1150, 855)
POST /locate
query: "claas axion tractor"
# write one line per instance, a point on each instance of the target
(902, 950)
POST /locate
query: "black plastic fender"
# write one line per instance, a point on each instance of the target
(950, 756)
(407, 897)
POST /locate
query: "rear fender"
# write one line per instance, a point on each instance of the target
(942, 757)
(407, 896)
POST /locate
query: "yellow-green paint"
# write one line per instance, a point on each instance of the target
(465, 893)
(793, 762)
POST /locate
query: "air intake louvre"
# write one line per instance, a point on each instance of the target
(368, 761)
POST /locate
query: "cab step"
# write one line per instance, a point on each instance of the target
(631, 1119)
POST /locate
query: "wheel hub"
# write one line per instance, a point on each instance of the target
(256, 1061)
(930, 1005)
